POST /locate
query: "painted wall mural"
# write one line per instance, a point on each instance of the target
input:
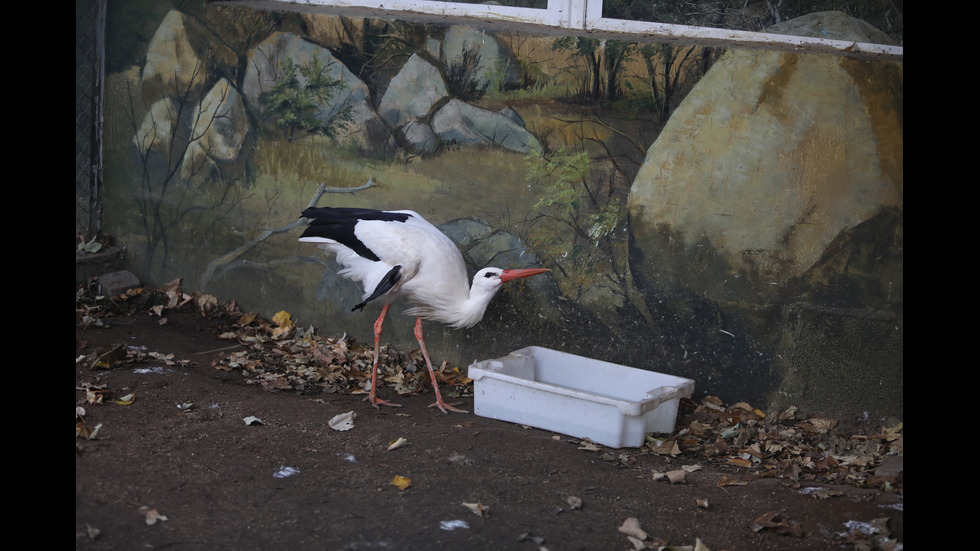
(732, 216)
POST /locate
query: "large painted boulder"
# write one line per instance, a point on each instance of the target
(773, 200)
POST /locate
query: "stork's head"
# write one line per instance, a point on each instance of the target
(491, 279)
(486, 283)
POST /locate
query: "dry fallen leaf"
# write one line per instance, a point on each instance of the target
(739, 462)
(698, 546)
(126, 400)
(677, 476)
(172, 290)
(327, 355)
(631, 527)
(527, 536)
(774, 520)
(728, 481)
(395, 444)
(207, 303)
(284, 324)
(94, 396)
(343, 421)
(401, 482)
(664, 447)
(825, 493)
(83, 430)
(822, 425)
(478, 509)
(92, 532)
(713, 402)
(151, 515)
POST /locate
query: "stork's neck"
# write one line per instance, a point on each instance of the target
(471, 311)
(458, 310)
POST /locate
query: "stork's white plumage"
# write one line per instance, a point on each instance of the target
(399, 253)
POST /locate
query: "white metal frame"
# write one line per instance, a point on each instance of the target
(585, 16)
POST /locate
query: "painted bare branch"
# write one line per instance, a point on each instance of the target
(224, 261)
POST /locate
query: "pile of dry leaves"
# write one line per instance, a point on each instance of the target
(278, 355)
(281, 356)
(784, 445)
(275, 354)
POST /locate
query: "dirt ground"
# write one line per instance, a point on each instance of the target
(166, 460)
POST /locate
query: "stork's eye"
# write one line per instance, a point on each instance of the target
(490, 274)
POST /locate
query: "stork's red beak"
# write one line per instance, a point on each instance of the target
(510, 275)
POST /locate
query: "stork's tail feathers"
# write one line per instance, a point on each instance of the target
(390, 279)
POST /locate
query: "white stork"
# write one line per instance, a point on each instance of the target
(399, 253)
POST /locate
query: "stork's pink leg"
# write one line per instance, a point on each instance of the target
(373, 396)
(443, 406)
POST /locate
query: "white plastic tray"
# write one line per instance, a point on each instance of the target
(610, 404)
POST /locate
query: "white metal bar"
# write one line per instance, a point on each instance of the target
(585, 16)
(576, 13)
(744, 38)
(489, 12)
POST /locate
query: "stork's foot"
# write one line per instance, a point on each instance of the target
(375, 401)
(446, 407)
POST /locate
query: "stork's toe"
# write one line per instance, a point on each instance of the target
(447, 407)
